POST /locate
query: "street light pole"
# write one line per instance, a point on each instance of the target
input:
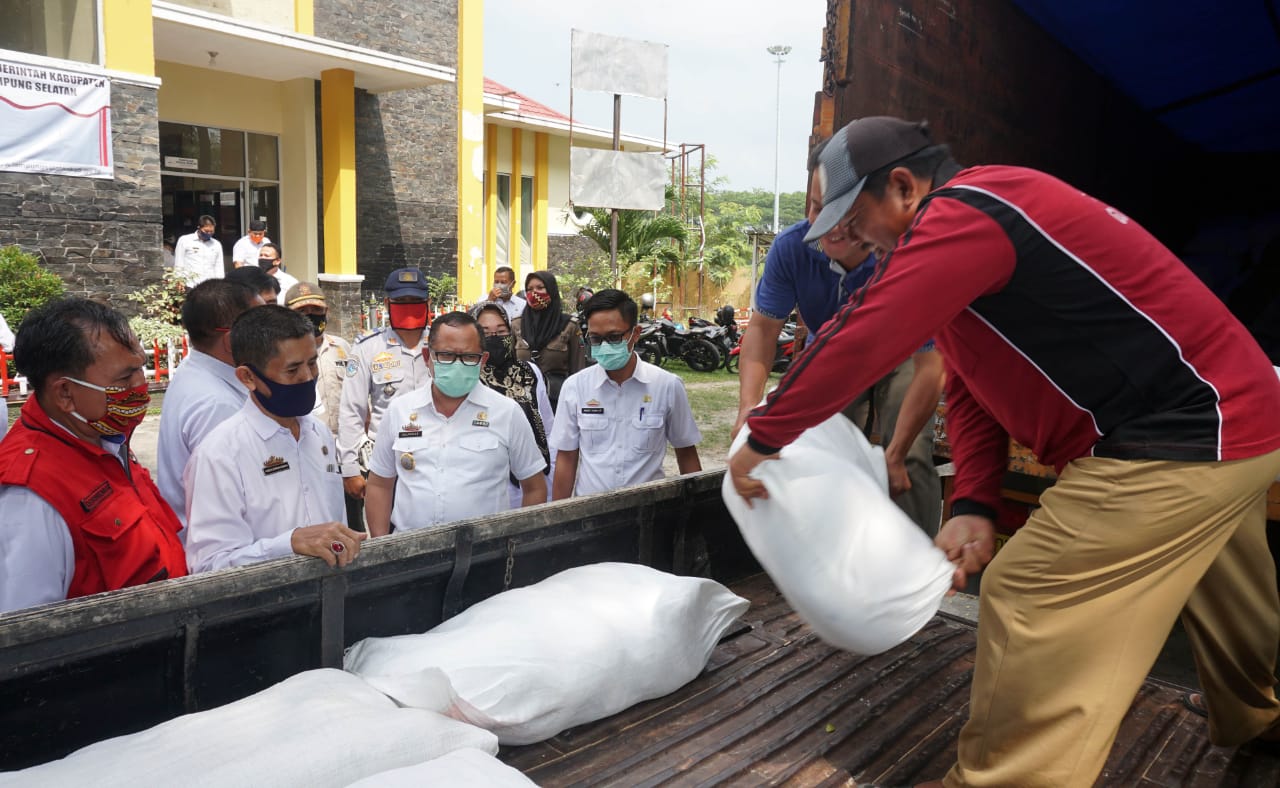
(778, 51)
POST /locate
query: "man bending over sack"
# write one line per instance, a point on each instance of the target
(266, 482)
(1067, 326)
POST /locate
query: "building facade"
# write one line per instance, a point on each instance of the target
(335, 121)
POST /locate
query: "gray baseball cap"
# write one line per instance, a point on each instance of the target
(853, 153)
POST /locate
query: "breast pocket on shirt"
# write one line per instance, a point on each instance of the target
(594, 431)
(410, 454)
(122, 544)
(483, 452)
(648, 434)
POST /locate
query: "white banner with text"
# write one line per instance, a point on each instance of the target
(54, 121)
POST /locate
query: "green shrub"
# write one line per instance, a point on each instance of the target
(24, 285)
(159, 309)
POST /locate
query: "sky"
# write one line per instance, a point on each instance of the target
(722, 81)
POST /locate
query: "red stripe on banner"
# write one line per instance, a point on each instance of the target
(55, 104)
(102, 136)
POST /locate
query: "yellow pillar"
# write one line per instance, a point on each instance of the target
(473, 281)
(540, 177)
(491, 199)
(128, 44)
(304, 17)
(338, 139)
(514, 252)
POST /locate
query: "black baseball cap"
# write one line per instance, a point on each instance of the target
(856, 151)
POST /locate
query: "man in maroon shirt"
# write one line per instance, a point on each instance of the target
(1064, 325)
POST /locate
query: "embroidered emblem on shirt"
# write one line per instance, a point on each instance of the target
(481, 420)
(352, 367)
(274, 465)
(97, 496)
(648, 398)
(411, 430)
(406, 461)
(592, 406)
(342, 354)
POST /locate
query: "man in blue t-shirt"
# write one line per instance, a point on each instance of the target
(902, 403)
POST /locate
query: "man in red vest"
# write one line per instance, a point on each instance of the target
(78, 514)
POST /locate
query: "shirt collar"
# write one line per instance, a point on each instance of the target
(217, 367)
(643, 372)
(263, 425)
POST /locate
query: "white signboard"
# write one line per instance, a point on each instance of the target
(614, 179)
(54, 121)
(181, 163)
(618, 65)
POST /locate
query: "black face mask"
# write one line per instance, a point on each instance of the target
(498, 348)
(318, 322)
(266, 263)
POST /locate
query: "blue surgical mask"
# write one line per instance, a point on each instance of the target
(611, 355)
(456, 379)
(203, 235)
(287, 400)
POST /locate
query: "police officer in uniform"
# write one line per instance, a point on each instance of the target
(383, 365)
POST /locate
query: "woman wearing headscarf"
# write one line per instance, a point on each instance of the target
(546, 335)
(518, 381)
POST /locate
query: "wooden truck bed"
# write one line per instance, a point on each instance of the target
(778, 706)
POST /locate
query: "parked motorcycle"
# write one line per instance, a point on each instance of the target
(782, 357)
(662, 339)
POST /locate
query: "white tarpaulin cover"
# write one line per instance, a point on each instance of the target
(615, 179)
(618, 65)
(54, 121)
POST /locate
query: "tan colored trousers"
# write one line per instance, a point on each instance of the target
(1076, 607)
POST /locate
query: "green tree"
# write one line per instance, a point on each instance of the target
(24, 285)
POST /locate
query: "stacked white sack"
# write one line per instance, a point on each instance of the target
(468, 768)
(577, 647)
(316, 729)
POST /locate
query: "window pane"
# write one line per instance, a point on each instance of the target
(214, 151)
(264, 204)
(504, 219)
(526, 218)
(66, 29)
(264, 159)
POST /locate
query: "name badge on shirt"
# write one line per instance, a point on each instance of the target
(274, 465)
(97, 496)
(592, 406)
(411, 430)
(481, 420)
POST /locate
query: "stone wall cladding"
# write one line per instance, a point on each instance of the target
(406, 141)
(567, 249)
(101, 236)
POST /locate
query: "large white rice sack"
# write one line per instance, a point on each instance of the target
(577, 647)
(318, 728)
(467, 768)
(850, 562)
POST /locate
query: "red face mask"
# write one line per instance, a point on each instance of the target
(125, 409)
(408, 316)
(538, 299)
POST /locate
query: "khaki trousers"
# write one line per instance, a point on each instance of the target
(1076, 607)
(923, 502)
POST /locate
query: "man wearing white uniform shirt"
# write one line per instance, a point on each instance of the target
(504, 282)
(204, 392)
(617, 416)
(444, 452)
(198, 256)
(245, 252)
(265, 483)
(271, 261)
